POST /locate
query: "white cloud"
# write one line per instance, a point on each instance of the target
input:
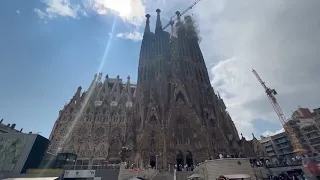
(277, 38)
(17, 11)
(56, 8)
(270, 133)
(136, 36)
(132, 11)
(40, 14)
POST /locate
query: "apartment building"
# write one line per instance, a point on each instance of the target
(278, 146)
(306, 126)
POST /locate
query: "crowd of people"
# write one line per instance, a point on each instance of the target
(294, 161)
(288, 176)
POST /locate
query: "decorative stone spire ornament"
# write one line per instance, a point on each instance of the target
(158, 23)
(147, 28)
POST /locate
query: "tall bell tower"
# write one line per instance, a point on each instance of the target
(178, 117)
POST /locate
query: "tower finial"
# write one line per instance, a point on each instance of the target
(147, 28)
(158, 23)
(178, 16)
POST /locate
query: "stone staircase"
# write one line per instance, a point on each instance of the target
(164, 176)
(212, 169)
(127, 173)
(183, 175)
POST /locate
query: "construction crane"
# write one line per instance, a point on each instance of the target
(271, 93)
(173, 18)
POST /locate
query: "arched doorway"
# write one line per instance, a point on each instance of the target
(180, 161)
(153, 161)
(189, 160)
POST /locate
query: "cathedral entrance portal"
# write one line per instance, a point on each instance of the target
(189, 160)
(153, 161)
(180, 161)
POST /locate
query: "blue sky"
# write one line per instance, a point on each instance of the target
(48, 49)
(43, 62)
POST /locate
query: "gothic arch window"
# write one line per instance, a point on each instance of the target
(153, 133)
(102, 119)
(180, 96)
(200, 75)
(187, 141)
(195, 72)
(88, 110)
(181, 120)
(189, 159)
(212, 122)
(186, 67)
(153, 145)
(153, 120)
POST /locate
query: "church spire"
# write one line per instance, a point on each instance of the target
(147, 28)
(158, 23)
(178, 17)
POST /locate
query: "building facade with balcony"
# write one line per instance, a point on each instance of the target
(308, 133)
(278, 147)
(268, 144)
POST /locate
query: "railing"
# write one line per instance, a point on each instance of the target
(288, 163)
(75, 167)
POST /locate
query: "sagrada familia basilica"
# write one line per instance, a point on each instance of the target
(171, 116)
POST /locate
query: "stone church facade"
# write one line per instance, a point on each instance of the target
(171, 116)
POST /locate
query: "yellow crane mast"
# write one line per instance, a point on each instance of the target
(289, 131)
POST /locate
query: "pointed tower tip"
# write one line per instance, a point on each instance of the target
(178, 16)
(128, 77)
(147, 28)
(80, 87)
(158, 23)
(107, 76)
